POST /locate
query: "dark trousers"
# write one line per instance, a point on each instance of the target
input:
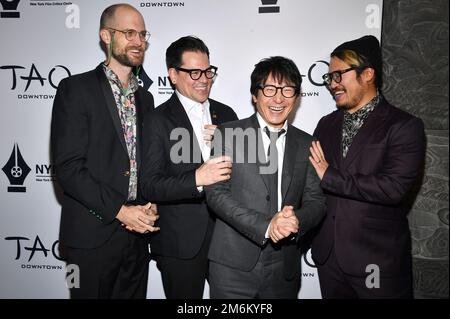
(265, 281)
(335, 284)
(117, 269)
(185, 278)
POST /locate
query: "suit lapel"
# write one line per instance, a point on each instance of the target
(181, 119)
(373, 122)
(111, 105)
(336, 146)
(214, 114)
(261, 160)
(139, 119)
(290, 151)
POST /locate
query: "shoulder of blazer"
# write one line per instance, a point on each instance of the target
(219, 105)
(166, 107)
(297, 133)
(223, 110)
(391, 111)
(244, 123)
(331, 117)
(82, 79)
(170, 113)
(146, 99)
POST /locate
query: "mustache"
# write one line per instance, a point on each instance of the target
(137, 48)
(333, 91)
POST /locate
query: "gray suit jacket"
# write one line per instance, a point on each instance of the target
(242, 204)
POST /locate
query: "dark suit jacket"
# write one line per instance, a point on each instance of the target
(242, 204)
(182, 208)
(90, 156)
(366, 209)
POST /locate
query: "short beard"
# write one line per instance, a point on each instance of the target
(123, 59)
(343, 107)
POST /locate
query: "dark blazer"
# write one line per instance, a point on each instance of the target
(242, 204)
(366, 192)
(182, 208)
(90, 156)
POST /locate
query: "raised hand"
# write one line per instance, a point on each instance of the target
(317, 159)
(214, 170)
(208, 133)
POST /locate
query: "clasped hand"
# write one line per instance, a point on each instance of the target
(139, 218)
(283, 224)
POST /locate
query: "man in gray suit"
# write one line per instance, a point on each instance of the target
(272, 198)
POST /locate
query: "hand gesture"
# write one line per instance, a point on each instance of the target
(213, 170)
(139, 218)
(283, 224)
(317, 159)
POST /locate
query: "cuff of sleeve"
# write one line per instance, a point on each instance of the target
(266, 235)
(327, 179)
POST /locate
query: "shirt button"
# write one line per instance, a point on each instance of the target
(126, 173)
(268, 198)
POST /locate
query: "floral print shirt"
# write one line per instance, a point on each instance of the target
(354, 121)
(126, 107)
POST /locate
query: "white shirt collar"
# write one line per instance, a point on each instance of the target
(190, 104)
(262, 124)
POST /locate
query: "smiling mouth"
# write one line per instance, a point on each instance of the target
(136, 52)
(276, 109)
(338, 93)
(201, 88)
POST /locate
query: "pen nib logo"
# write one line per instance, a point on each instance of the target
(269, 6)
(16, 169)
(9, 7)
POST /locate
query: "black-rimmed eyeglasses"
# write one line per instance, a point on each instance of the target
(272, 90)
(336, 76)
(196, 74)
(130, 34)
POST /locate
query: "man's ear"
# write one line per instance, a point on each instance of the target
(173, 75)
(368, 75)
(105, 35)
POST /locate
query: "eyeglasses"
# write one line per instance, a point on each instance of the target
(130, 34)
(196, 74)
(336, 76)
(272, 90)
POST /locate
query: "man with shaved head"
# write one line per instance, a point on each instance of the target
(95, 139)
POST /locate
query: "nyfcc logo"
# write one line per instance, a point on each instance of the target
(16, 170)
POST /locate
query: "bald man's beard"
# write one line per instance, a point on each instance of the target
(123, 58)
